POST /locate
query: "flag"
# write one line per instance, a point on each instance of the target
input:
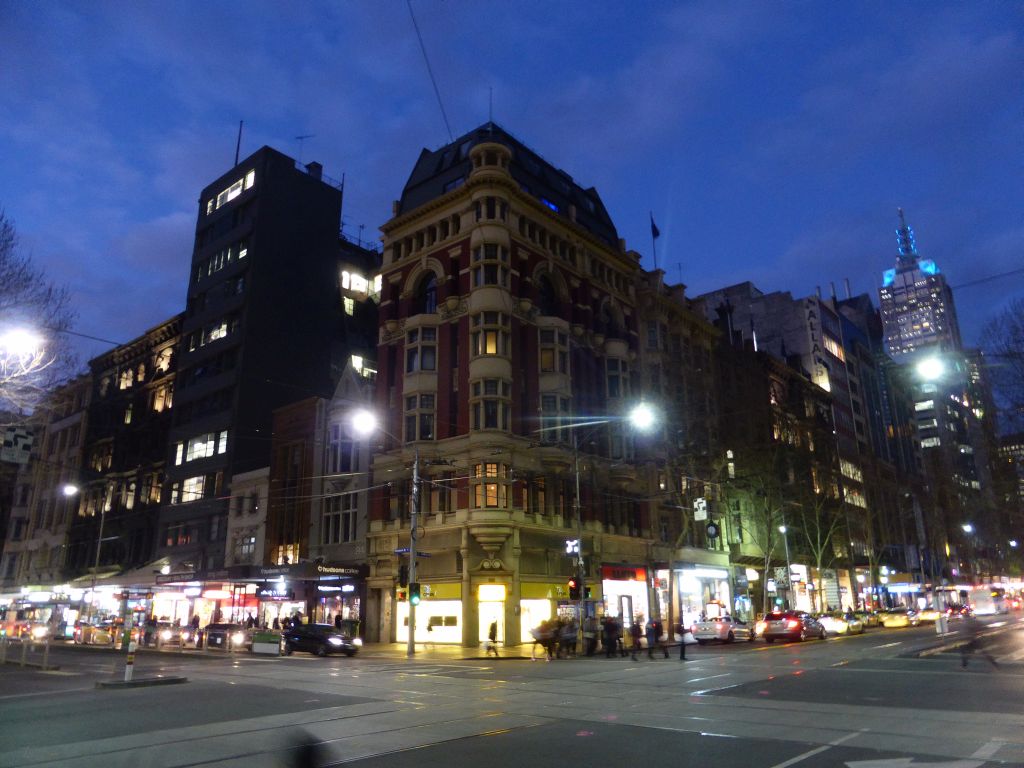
(654, 229)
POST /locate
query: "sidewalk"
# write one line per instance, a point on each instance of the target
(441, 652)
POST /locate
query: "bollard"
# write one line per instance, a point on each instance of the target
(129, 662)
(24, 651)
(4, 642)
(46, 653)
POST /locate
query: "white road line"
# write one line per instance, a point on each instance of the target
(1018, 656)
(709, 677)
(816, 750)
(888, 645)
(987, 750)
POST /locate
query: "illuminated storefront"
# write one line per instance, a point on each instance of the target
(703, 591)
(439, 615)
(625, 591)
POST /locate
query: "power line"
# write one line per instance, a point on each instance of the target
(430, 71)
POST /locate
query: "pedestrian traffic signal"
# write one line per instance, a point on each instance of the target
(403, 575)
(414, 593)
(574, 589)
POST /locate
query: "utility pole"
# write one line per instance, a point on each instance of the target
(414, 509)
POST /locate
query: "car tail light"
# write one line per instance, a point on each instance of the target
(792, 623)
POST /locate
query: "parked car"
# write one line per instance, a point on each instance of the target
(227, 637)
(839, 623)
(869, 618)
(321, 639)
(791, 625)
(896, 618)
(726, 629)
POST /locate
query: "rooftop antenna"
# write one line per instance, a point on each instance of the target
(238, 144)
(430, 72)
(361, 226)
(490, 104)
(302, 140)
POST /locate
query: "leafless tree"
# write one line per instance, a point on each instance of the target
(1003, 341)
(29, 300)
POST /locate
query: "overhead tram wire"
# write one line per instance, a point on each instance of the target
(430, 71)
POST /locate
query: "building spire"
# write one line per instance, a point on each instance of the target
(905, 240)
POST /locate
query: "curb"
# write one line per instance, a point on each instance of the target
(33, 664)
(142, 682)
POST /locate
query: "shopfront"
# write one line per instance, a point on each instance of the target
(703, 591)
(625, 590)
(438, 616)
(538, 602)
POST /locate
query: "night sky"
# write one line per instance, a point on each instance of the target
(772, 141)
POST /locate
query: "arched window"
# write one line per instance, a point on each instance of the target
(426, 295)
(547, 297)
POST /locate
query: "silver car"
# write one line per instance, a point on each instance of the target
(726, 629)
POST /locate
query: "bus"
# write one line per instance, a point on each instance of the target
(985, 601)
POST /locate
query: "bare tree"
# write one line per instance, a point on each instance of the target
(1003, 341)
(29, 303)
(820, 521)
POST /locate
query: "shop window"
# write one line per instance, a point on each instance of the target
(421, 350)
(340, 457)
(490, 334)
(490, 485)
(419, 417)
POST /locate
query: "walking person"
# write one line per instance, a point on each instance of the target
(492, 639)
(635, 633)
(682, 641)
(610, 636)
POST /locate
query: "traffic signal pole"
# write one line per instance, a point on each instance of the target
(582, 582)
(414, 508)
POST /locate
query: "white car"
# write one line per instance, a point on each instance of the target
(726, 629)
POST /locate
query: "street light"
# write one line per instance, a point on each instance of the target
(967, 528)
(931, 368)
(21, 343)
(642, 418)
(365, 423)
(789, 569)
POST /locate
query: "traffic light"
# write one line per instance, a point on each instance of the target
(574, 589)
(403, 575)
(414, 593)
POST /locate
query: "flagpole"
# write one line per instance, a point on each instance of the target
(654, 240)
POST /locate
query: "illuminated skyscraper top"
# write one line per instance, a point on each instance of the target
(917, 305)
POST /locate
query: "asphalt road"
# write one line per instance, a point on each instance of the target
(869, 701)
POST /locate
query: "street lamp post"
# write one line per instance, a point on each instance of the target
(789, 570)
(364, 423)
(642, 417)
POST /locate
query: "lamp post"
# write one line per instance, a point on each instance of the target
(642, 417)
(365, 423)
(968, 528)
(789, 570)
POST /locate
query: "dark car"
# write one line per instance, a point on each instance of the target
(321, 639)
(791, 625)
(227, 637)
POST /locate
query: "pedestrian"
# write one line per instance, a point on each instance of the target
(654, 631)
(276, 623)
(250, 622)
(682, 641)
(635, 633)
(590, 635)
(337, 620)
(492, 639)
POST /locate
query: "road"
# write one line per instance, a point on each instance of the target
(869, 701)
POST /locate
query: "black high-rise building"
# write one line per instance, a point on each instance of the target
(264, 326)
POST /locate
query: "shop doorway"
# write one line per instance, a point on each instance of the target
(626, 610)
(491, 611)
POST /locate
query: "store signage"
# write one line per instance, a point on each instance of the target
(274, 591)
(623, 573)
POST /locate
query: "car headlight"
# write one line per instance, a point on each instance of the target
(357, 641)
(335, 640)
(185, 636)
(39, 632)
(166, 635)
(238, 638)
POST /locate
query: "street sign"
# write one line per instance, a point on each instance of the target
(700, 509)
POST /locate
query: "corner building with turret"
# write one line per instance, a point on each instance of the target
(509, 315)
